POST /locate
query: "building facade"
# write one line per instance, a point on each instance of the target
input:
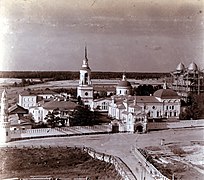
(30, 98)
(133, 112)
(85, 88)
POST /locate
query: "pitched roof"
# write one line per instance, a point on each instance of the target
(121, 106)
(16, 109)
(36, 92)
(61, 105)
(134, 105)
(102, 99)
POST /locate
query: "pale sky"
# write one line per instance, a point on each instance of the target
(121, 35)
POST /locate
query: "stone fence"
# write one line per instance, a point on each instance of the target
(175, 125)
(148, 167)
(119, 165)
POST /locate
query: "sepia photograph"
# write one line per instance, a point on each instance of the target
(101, 89)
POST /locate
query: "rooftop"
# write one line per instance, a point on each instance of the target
(166, 94)
(30, 92)
(61, 105)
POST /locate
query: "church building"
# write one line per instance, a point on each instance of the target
(133, 112)
(187, 80)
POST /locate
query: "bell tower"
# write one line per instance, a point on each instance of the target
(5, 133)
(85, 88)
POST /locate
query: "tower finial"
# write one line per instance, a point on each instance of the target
(124, 76)
(86, 51)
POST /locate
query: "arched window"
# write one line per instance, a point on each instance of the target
(104, 106)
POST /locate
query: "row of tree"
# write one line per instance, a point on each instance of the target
(69, 75)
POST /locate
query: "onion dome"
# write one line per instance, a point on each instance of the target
(166, 94)
(124, 82)
(180, 67)
(193, 67)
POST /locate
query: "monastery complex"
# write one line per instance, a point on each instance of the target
(128, 112)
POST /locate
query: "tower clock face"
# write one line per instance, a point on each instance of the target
(86, 93)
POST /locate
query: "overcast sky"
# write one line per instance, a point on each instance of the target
(121, 35)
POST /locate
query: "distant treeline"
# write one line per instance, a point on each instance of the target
(69, 75)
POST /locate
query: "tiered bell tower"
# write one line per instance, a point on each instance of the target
(85, 88)
(5, 133)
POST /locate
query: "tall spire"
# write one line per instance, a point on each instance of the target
(85, 61)
(86, 52)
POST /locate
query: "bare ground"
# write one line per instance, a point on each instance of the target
(63, 162)
(178, 161)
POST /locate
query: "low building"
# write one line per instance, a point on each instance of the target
(63, 109)
(29, 98)
(17, 109)
(101, 104)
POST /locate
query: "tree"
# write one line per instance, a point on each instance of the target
(54, 120)
(192, 109)
(82, 116)
(50, 118)
(23, 82)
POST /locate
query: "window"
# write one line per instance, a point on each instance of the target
(6, 133)
(166, 107)
(157, 113)
(175, 114)
(172, 107)
(170, 114)
(104, 106)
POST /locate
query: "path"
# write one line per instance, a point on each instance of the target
(119, 144)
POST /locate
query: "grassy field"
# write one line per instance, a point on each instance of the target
(63, 162)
